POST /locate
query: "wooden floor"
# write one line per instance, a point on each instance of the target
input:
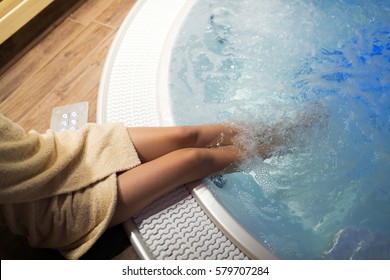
(63, 68)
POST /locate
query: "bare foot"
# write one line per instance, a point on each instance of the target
(258, 138)
(281, 137)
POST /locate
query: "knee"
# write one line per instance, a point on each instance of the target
(188, 135)
(199, 157)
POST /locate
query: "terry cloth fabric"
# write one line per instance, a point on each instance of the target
(60, 189)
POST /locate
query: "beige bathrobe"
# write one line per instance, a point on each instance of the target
(60, 189)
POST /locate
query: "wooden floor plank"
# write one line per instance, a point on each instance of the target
(114, 14)
(91, 98)
(41, 84)
(38, 57)
(90, 10)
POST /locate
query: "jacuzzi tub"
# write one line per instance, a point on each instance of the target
(136, 89)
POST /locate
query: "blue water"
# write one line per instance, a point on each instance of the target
(266, 61)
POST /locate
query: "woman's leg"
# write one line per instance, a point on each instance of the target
(154, 142)
(173, 156)
(140, 186)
